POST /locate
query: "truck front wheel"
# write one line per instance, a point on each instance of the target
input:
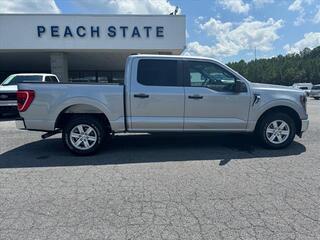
(83, 135)
(276, 130)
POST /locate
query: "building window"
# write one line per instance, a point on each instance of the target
(104, 77)
(88, 76)
(74, 77)
(118, 77)
(111, 77)
(82, 76)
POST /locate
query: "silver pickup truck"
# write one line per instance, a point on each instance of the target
(164, 94)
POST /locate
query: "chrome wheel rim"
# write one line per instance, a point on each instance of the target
(83, 137)
(278, 132)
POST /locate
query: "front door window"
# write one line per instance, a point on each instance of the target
(204, 74)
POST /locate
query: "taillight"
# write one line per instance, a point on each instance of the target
(24, 98)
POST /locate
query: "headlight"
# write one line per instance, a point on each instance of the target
(303, 100)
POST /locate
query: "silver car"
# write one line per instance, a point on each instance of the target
(315, 92)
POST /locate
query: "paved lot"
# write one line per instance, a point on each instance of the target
(160, 187)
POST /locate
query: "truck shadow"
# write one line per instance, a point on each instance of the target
(127, 149)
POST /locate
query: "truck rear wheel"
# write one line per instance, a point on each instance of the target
(276, 130)
(83, 135)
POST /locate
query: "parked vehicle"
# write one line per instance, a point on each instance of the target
(164, 94)
(315, 92)
(306, 87)
(8, 88)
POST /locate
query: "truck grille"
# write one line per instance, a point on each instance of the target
(8, 96)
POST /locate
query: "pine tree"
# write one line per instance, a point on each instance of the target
(283, 70)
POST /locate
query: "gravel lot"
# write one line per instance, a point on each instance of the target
(160, 187)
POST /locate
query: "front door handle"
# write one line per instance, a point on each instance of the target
(195, 97)
(141, 95)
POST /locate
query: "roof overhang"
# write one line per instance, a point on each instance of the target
(59, 32)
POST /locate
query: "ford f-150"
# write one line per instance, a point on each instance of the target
(164, 94)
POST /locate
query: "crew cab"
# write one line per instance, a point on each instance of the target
(8, 89)
(164, 94)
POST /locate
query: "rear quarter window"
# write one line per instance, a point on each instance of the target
(51, 79)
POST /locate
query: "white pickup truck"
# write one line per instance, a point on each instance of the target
(8, 89)
(164, 94)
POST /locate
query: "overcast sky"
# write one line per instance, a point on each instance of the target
(229, 30)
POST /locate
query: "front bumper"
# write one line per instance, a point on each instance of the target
(304, 125)
(20, 124)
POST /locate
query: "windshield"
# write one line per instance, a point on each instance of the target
(316, 87)
(14, 80)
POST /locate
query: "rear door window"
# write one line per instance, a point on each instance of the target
(158, 72)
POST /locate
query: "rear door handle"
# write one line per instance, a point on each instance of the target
(141, 95)
(195, 97)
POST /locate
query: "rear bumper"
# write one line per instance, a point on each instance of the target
(11, 103)
(20, 124)
(8, 109)
(304, 125)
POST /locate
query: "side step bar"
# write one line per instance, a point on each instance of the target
(49, 134)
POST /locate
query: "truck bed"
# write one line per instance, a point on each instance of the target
(52, 99)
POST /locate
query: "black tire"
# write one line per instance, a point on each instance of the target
(98, 132)
(261, 130)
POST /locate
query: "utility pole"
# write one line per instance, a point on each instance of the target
(255, 64)
(175, 12)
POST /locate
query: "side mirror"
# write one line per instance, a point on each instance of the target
(237, 86)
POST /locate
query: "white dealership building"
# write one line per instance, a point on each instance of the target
(84, 48)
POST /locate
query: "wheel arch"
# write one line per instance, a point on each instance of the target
(282, 109)
(82, 110)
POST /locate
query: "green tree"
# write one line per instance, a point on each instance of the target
(283, 70)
